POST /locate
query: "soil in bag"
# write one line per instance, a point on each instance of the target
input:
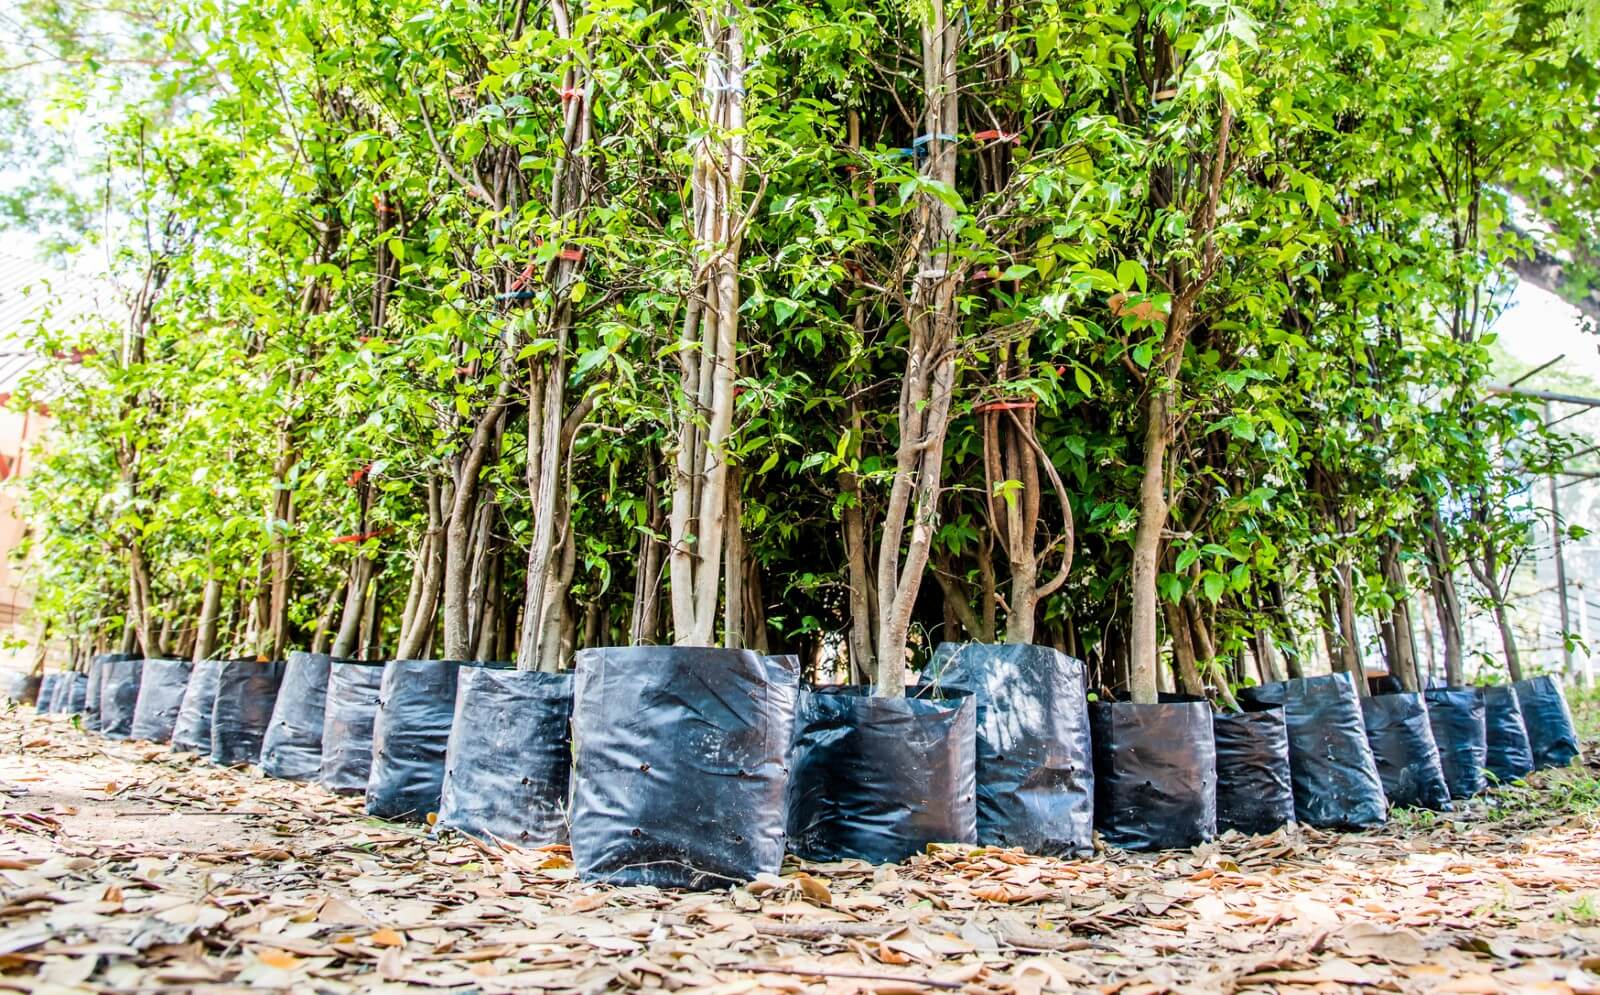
(292, 747)
(192, 731)
(1034, 762)
(161, 691)
(1255, 793)
(1457, 717)
(347, 725)
(24, 689)
(74, 691)
(1155, 774)
(1551, 734)
(1335, 777)
(878, 779)
(680, 764)
(1402, 744)
(506, 769)
(45, 699)
(410, 733)
(246, 692)
(1509, 758)
(119, 694)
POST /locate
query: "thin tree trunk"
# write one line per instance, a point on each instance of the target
(1486, 568)
(1447, 602)
(1349, 641)
(863, 622)
(928, 387)
(319, 637)
(1186, 675)
(644, 625)
(734, 635)
(1142, 663)
(1402, 658)
(417, 631)
(1502, 621)
(708, 346)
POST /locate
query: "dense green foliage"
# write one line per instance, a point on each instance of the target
(1175, 347)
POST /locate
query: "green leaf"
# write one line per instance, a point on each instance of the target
(1130, 272)
(1081, 378)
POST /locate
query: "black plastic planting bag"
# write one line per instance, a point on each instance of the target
(1335, 777)
(1155, 774)
(292, 747)
(91, 699)
(45, 699)
(246, 692)
(119, 693)
(506, 769)
(878, 779)
(1551, 735)
(161, 691)
(1254, 791)
(416, 704)
(680, 764)
(1402, 744)
(72, 692)
(1456, 715)
(1506, 738)
(347, 725)
(56, 702)
(60, 692)
(192, 732)
(1035, 765)
(24, 689)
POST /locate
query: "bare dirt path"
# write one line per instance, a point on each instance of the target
(124, 867)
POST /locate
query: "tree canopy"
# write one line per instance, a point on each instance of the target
(1159, 332)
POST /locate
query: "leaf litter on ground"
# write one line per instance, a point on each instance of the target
(126, 867)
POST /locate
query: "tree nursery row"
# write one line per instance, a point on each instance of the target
(1152, 335)
(696, 767)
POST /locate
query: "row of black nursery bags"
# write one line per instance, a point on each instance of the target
(1401, 737)
(119, 694)
(1035, 766)
(1552, 738)
(1335, 776)
(161, 689)
(292, 745)
(1155, 773)
(1457, 716)
(242, 709)
(680, 764)
(46, 695)
(192, 731)
(1255, 793)
(509, 756)
(1506, 737)
(68, 692)
(91, 700)
(347, 720)
(23, 689)
(410, 733)
(877, 779)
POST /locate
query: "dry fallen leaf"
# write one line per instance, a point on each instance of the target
(387, 937)
(278, 959)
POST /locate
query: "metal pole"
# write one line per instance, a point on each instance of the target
(1561, 567)
(1586, 671)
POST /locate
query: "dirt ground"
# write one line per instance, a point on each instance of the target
(126, 868)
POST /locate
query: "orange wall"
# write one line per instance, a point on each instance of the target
(18, 432)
